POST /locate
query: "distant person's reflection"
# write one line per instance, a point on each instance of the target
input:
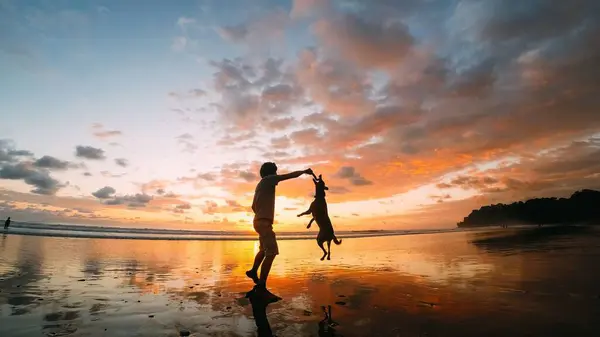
(327, 325)
(3, 245)
(259, 303)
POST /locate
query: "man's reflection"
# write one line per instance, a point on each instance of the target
(259, 303)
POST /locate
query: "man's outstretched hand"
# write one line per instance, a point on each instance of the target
(309, 171)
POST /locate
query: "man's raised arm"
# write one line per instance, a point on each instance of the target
(292, 175)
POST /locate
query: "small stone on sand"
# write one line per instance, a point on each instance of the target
(81, 280)
(307, 312)
(340, 303)
(151, 316)
(184, 333)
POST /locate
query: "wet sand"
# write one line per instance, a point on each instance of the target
(539, 282)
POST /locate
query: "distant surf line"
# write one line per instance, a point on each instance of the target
(92, 232)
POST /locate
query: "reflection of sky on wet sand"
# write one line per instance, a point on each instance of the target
(457, 284)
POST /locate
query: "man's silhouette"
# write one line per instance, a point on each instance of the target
(263, 206)
(7, 223)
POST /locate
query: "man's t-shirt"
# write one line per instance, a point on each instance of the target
(263, 204)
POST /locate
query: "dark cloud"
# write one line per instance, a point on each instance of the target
(39, 178)
(440, 198)
(104, 193)
(206, 176)
(248, 176)
(192, 93)
(210, 207)
(252, 95)
(366, 42)
(122, 162)
(107, 174)
(349, 172)
(199, 179)
(50, 162)
(338, 190)
(187, 141)
(531, 19)
(134, 201)
(87, 174)
(23, 153)
(89, 152)
(160, 191)
(281, 123)
(8, 154)
(236, 139)
(236, 33)
(469, 182)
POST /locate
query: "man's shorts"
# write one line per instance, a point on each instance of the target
(266, 237)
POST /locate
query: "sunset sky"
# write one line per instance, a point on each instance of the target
(159, 113)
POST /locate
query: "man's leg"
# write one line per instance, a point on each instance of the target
(265, 269)
(258, 259)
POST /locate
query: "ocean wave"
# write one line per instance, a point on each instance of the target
(98, 232)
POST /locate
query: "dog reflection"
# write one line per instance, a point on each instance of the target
(327, 325)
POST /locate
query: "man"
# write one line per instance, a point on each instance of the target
(7, 223)
(263, 206)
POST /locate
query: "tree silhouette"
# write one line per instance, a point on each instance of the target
(583, 207)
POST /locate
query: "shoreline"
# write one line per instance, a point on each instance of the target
(243, 236)
(219, 238)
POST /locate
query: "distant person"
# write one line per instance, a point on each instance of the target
(7, 223)
(263, 207)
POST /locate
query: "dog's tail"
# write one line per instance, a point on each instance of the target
(336, 241)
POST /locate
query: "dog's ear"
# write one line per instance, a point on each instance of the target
(320, 177)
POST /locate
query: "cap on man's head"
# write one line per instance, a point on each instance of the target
(268, 169)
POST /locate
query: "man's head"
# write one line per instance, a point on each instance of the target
(268, 169)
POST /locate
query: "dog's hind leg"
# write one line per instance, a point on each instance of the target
(320, 243)
(329, 250)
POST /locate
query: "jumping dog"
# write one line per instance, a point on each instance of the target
(318, 209)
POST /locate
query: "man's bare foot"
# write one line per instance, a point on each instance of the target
(252, 274)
